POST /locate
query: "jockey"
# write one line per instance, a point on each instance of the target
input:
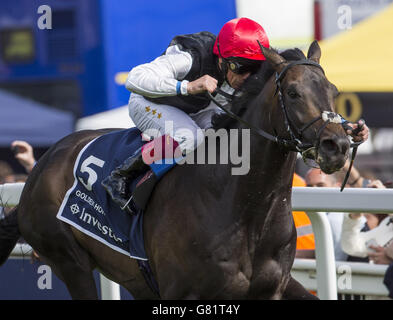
(168, 91)
(168, 100)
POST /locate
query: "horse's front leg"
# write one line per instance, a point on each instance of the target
(295, 291)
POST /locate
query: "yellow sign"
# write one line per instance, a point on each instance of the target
(351, 100)
(18, 45)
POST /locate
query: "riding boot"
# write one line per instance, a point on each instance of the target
(117, 183)
(161, 155)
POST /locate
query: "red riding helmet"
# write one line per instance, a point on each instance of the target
(238, 38)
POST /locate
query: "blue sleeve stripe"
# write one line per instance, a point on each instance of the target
(178, 88)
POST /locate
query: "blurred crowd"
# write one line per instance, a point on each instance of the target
(24, 154)
(357, 237)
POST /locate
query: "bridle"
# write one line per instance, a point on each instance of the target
(294, 143)
(326, 116)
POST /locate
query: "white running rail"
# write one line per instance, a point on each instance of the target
(311, 200)
(10, 194)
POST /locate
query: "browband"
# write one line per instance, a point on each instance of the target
(294, 63)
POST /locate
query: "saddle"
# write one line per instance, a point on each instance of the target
(88, 208)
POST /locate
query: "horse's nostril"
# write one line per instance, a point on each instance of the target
(334, 146)
(329, 146)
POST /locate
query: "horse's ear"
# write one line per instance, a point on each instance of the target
(314, 52)
(277, 61)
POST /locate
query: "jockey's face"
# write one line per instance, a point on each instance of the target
(235, 80)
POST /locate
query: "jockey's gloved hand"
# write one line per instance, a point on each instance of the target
(358, 130)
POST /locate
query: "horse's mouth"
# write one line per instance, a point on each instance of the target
(328, 164)
(310, 157)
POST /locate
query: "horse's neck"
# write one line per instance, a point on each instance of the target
(270, 167)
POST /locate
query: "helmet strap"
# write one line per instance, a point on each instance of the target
(224, 69)
(224, 64)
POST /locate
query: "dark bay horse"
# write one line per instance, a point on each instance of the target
(208, 234)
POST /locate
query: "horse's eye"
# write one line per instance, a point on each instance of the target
(293, 94)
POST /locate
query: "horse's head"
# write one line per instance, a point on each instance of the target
(307, 118)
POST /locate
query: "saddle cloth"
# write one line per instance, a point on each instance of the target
(87, 206)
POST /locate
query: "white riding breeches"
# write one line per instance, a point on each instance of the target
(155, 120)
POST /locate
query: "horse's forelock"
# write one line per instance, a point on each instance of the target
(255, 83)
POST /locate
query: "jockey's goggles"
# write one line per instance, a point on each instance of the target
(243, 66)
(240, 65)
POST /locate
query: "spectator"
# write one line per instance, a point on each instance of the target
(20, 177)
(388, 279)
(305, 243)
(358, 238)
(316, 178)
(24, 154)
(382, 255)
(356, 178)
(6, 173)
(6, 176)
(368, 240)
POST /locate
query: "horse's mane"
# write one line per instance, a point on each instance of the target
(252, 87)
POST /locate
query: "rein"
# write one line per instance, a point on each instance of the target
(294, 143)
(276, 139)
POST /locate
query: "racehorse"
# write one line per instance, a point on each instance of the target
(208, 234)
